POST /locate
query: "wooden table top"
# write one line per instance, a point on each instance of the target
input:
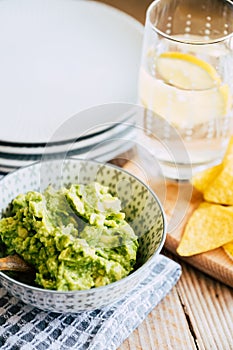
(198, 312)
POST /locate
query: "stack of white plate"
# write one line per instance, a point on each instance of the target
(68, 86)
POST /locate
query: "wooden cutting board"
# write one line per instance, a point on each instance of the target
(179, 200)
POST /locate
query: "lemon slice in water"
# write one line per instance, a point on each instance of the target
(186, 71)
(186, 90)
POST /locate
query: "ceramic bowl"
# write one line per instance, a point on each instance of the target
(143, 211)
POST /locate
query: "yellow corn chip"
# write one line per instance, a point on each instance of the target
(229, 249)
(203, 179)
(220, 189)
(209, 227)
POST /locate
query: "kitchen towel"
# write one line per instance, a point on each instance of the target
(24, 327)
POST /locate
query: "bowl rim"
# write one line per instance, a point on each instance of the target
(111, 285)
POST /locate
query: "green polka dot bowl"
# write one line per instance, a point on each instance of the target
(143, 212)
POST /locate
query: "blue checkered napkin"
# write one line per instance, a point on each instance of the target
(25, 327)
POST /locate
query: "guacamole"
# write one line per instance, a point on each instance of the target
(76, 238)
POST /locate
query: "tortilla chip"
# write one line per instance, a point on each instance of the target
(209, 227)
(229, 249)
(220, 189)
(207, 181)
(203, 179)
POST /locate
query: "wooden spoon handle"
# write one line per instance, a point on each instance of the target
(14, 263)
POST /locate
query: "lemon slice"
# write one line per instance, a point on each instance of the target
(186, 71)
(183, 108)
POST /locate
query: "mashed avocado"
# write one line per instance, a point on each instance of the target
(76, 238)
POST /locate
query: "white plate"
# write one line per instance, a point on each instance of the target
(59, 57)
(113, 131)
(104, 151)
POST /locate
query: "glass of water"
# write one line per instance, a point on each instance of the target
(186, 83)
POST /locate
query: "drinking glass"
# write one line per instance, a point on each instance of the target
(186, 83)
